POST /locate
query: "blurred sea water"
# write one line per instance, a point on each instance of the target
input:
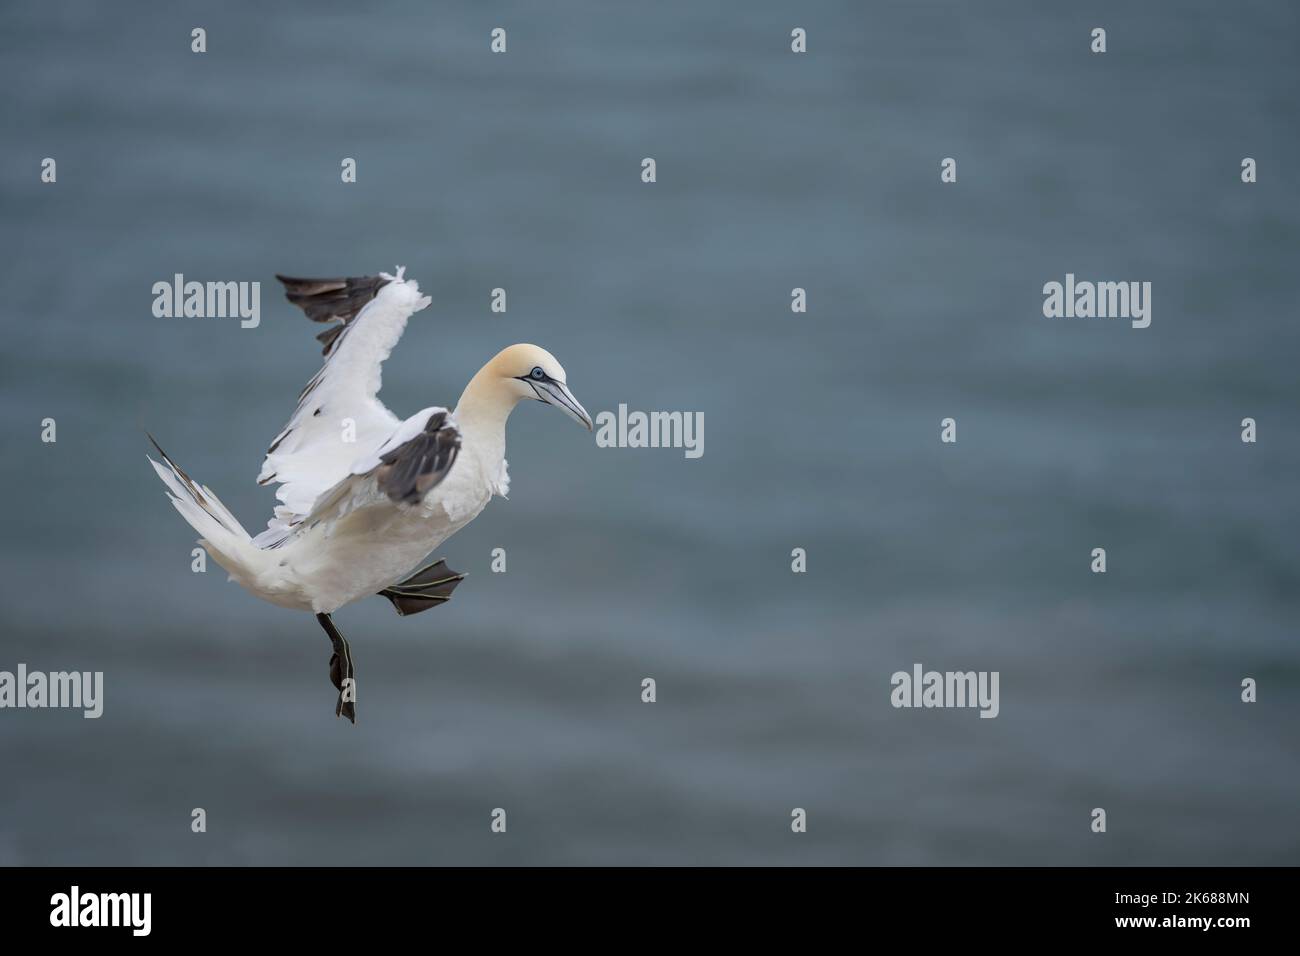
(775, 171)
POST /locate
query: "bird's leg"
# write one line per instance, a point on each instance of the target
(341, 673)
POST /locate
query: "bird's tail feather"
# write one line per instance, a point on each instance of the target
(223, 536)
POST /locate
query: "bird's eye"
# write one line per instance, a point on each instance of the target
(537, 373)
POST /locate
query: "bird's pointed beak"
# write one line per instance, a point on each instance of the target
(558, 394)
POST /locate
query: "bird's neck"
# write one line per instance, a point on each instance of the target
(482, 411)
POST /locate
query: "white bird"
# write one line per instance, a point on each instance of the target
(364, 495)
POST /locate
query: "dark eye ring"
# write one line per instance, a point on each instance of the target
(537, 373)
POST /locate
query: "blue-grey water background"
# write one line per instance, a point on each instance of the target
(775, 170)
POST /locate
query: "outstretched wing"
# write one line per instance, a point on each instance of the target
(338, 416)
(414, 460)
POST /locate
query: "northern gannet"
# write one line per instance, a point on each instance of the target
(365, 496)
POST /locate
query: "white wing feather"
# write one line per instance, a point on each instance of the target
(339, 418)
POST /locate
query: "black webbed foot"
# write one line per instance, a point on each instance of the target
(424, 589)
